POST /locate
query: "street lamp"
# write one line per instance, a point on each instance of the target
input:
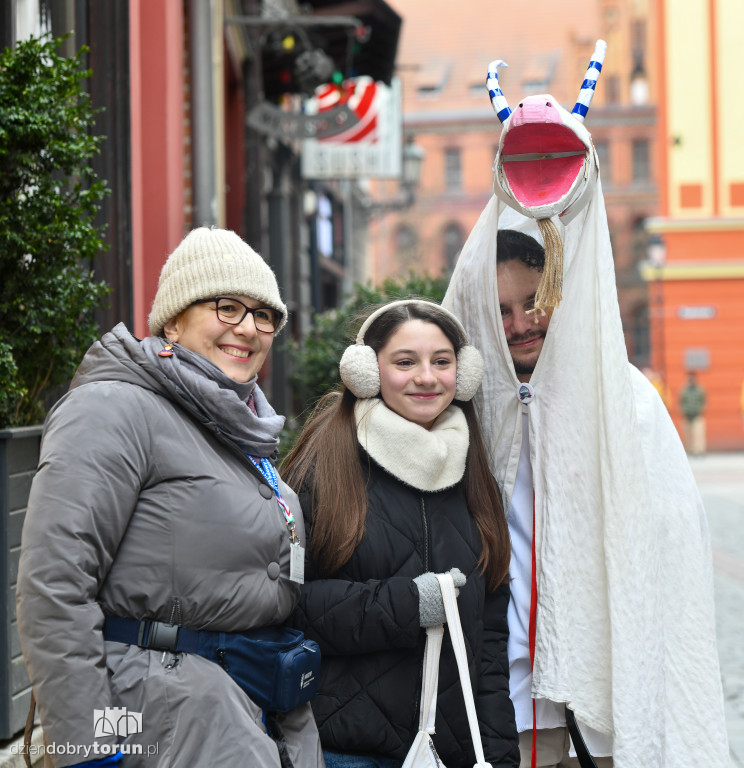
(656, 251)
(413, 160)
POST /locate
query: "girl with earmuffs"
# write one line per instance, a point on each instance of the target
(395, 487)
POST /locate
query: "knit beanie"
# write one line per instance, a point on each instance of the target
(212, 262)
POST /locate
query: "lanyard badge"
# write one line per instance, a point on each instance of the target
(297, 551)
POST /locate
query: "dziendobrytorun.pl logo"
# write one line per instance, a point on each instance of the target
(111, 721)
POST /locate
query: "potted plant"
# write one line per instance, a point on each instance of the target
(49, 197)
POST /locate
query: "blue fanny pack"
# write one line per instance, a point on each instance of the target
(277, 667)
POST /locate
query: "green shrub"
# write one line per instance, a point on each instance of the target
(49, 197)
(11, 391)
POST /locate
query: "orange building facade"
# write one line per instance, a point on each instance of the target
(696, 279)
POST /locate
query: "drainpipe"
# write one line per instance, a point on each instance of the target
(280, 240)
(202, 114)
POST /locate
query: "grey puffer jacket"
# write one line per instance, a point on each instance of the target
(141, 510)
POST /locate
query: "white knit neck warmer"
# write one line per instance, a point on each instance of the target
(427, 459)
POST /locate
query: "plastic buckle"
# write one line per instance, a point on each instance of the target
(144, 629)
(159, 635)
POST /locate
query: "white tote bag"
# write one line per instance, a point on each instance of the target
(422, 753)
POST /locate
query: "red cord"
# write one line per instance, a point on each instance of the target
(533, 633)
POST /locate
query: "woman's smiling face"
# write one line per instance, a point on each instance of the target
(418, 372)
(239, 351)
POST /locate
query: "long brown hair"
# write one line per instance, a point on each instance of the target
(327, 457)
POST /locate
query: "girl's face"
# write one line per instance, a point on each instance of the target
(418, 372)
(238, 350)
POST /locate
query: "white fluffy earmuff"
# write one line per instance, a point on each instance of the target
(360, 371)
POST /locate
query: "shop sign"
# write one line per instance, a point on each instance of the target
(272, 120)
(369, 148)
(697, 359)
(696, 313)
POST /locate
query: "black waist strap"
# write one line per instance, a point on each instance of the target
(156, 635)
(582, 752)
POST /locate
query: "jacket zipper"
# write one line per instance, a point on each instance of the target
(426, 535)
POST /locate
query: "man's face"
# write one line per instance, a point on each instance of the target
(517, 286)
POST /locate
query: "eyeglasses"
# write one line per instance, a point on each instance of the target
(233, 312)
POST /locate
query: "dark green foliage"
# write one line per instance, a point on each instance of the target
(315, 360)
(49, 196)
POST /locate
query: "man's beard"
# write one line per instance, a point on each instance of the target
(522, 367)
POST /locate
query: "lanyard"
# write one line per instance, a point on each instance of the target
(265, 467)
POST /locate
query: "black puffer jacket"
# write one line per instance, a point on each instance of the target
(366, 620)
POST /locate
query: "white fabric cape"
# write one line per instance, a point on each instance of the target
(626, 627)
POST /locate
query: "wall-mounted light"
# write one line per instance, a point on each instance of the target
(656, 249)
(413, 160)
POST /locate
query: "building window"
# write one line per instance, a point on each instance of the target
(612, 89)
(603, 156)
(406, 239)
(432, 79)
(452, 170)
(690, 195)
(640, 241)
(406, 250)
(641, 165)
(638, 38)
(640, 336)
(34, 18)
(324, 227)
(454, 239)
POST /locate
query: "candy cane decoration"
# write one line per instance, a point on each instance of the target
(586, 94)
(498, 100)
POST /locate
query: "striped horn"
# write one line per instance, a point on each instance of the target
(590, 81)
(498, 100)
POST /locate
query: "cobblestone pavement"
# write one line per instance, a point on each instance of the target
(720, 478)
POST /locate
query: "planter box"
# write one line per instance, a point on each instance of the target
(19, 456)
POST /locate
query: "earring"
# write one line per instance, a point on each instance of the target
(167, 351)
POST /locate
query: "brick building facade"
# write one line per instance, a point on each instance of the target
(442, 62)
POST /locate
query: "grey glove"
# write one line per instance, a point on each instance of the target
(431, 606)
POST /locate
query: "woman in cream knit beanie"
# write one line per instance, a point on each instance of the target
(213, 262)
(160, 461)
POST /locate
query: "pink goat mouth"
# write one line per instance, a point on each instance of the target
(535, 174)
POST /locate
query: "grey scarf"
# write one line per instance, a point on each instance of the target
(217, 398)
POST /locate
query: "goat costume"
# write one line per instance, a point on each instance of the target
(625, 619)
